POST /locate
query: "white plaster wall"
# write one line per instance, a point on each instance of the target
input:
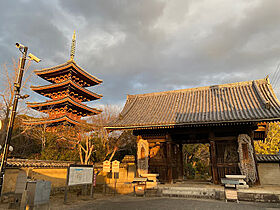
(269, 173)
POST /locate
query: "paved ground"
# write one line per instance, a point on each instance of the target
(123, 202)
(129, 202)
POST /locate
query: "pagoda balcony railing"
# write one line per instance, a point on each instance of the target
(56, 96)
(63, 78)
(70, 115)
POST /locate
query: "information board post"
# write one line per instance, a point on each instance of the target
(115, 171)
(66, 186)
(93, 184)
(114, 181)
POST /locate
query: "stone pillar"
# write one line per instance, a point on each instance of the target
(254, 154)
(142, 156)
(247, 160)
(131, 170)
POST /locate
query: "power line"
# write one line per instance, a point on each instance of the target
(275, 72)
(275, 76)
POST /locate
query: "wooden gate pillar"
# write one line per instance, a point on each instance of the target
(169, 161)
(213, 154)
(181, 163)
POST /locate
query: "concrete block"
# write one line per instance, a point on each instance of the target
(242, 186)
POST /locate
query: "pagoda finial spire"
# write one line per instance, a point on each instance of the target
(73, 46)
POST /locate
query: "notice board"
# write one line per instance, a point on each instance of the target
(80, 174)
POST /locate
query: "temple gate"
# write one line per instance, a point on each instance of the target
(223, 116)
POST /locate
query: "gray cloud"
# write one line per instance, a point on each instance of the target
(146, 46)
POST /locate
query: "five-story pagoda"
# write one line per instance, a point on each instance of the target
(67, 92)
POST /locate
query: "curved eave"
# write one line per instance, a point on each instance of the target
(53, 103)
(47, 88)
(197, 124)
(48, 71)
(52, 121)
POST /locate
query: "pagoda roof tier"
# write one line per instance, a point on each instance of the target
(55, 121)
(66, 85)
(66, 68)
(67, 101)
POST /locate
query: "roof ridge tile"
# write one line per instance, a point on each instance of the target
(243, 83)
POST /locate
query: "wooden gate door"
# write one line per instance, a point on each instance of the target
(227, 158)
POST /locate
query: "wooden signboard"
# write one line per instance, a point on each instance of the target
(106, 166)
(231, 194)
(115, 166)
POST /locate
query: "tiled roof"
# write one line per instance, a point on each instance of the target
(229, 103)
(38, 163)
(68, 84)
(268, 158)
(60, 120)
(44, 73)
(47, 105)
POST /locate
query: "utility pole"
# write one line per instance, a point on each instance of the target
(17, 96)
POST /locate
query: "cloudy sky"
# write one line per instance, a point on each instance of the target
(149, 45)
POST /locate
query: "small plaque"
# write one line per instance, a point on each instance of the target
(106, 166)
(231, 194)
(115, 166)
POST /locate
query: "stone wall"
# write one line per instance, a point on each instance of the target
(57, 176)
(10, 179)
(123, 184)
(269, 173)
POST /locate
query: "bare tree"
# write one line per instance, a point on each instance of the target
(85, 151)
(9, 75)
(99, 122)
(38, 132)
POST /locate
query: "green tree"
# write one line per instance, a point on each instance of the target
(59, 147)
(196, 161)
(25, 146)
(271, 144)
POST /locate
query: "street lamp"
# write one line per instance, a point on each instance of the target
(17, 85)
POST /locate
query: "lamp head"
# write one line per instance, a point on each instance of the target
(20, 46)
(34, 58)
(11, 148)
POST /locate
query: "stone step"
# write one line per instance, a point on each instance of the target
(192, 192)
(218, 194)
